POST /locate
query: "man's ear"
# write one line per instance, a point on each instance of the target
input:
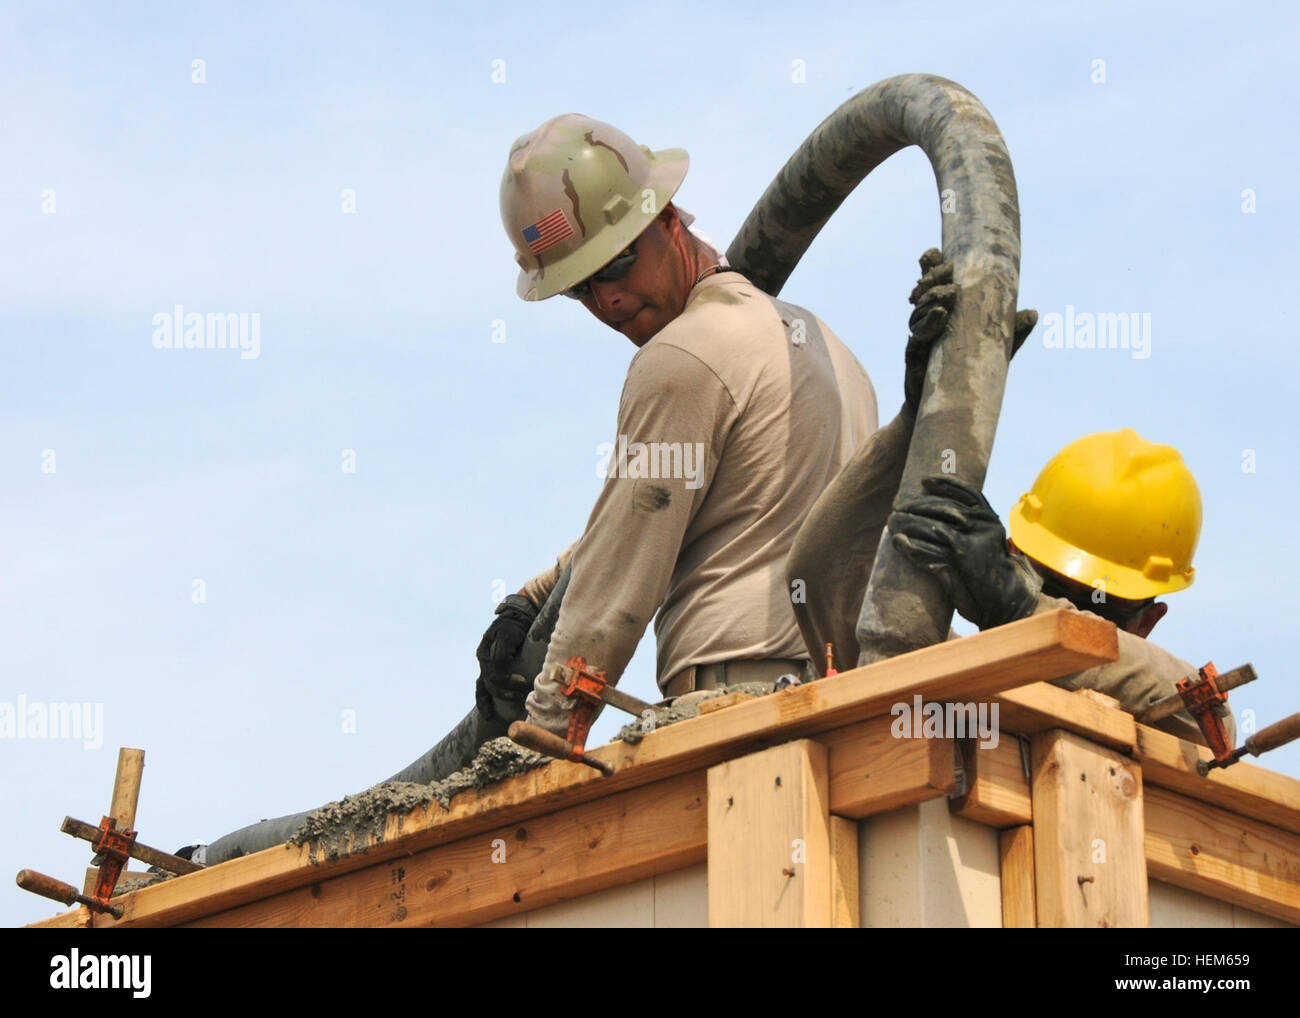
(670, 218)
(1144, 623)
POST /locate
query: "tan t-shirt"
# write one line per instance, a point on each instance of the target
(733, 419)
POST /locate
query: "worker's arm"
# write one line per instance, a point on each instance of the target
(539, 588)
(1143, 673)
(953, 533)
(676, 410)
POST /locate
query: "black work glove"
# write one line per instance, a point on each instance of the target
(934, 297)
(497, 651)
(952, 533)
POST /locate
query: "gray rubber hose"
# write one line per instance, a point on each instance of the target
(905, 609)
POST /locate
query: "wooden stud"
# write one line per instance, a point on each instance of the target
(80, 918)
(1016, 848)
(575, 852)
(769, 839)
(1040, 706)
(1222, 855)
(873, 771)
(846, 903)
(997, 790)
(1244, 788)
(1089, 863)
(126, 787)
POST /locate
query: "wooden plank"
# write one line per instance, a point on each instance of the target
(1222, 855)
(1040, 707)
(769, 839)
(126, 787)
(78, 919)
(574, 852)
(1089, 865)
(1244, 788)
(997, 790)
(873, 771)
(1042, 646)
(1016, 849)
(846, 904)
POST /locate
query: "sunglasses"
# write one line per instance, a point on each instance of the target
(1121, 613)
(616, 269)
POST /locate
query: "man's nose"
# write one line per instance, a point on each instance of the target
(606, 294)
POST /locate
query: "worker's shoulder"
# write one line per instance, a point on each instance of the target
(727, 317)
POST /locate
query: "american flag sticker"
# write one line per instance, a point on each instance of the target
(547, 231)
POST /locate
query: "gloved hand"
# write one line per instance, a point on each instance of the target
(934, 298)
(953, 533)
(497, 651)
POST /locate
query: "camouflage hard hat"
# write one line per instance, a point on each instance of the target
(575, 193)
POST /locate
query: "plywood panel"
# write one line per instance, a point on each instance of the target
(923, 867)
(682, 898)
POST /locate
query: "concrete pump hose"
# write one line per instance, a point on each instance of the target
(904, 609)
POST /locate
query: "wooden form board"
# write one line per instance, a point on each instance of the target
(1016, 852)
(1040, 707)
(769, 839)
(1089, 861)
(997, 788)
(585, 831)
(1244, 788)
(872, 771)
(846, 913)
(979, 666)
(1222, 855)
(518, 868)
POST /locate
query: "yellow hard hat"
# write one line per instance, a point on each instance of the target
(575, 193)
(1115, 509)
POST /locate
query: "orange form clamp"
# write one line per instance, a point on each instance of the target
(1207, 703)
(587, 686)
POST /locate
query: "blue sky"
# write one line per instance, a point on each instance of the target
(329, 592)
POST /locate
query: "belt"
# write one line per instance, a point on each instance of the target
(731, 673)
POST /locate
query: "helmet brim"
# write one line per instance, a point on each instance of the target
(1062, 557)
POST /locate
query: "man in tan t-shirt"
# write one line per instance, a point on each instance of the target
(737, 411)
